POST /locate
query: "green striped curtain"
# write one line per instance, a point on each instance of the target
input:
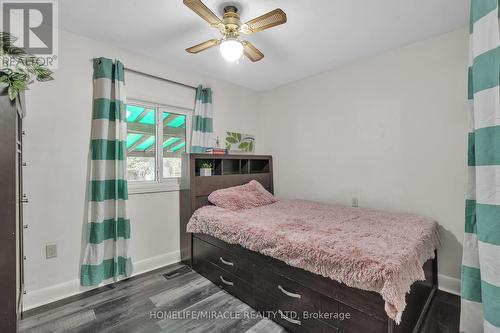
(202, 137)
(480, 291)
(108, 229)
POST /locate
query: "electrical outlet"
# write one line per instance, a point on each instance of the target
(355, 202)
(51, 251)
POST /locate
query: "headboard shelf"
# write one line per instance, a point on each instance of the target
(245, 166)
(215, 163)
(259, 166)
(227, 171)
(232, 164)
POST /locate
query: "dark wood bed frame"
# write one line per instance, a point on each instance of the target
(284, 293)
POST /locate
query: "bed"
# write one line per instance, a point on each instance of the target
(299, 262)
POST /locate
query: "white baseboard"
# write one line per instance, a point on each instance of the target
(36, 298)
(39, 297)
(449, 284)
(153, 263)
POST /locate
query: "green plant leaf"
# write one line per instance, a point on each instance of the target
(14, 51)
(42, 73)
(206, 165)
(235, 136)
(20, 83)
(6, 40)
(12, 92)
(26, 69)
(243, 146)
(4, 80)
(250, 146)
(231, 140)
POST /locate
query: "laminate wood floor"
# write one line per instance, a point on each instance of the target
(144, 304)
(443, 315)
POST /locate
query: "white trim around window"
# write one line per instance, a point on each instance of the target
(167, 185)
(161, 184)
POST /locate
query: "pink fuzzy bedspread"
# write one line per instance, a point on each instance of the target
(365, 249)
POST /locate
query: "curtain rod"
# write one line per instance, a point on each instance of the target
(159, 78)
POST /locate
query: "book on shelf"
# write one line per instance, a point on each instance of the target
(216, 151)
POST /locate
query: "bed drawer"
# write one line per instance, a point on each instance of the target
(298, 324)
(297, 303)
(225, 280)
(292, 317)
(226, 260)
(364, 301)
(284, 293)
(360, 322)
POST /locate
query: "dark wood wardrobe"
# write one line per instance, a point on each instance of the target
(12, 200)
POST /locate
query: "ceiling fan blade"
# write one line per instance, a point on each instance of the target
(266, 21)
(251, 52)
(203, 11)
(203, 46)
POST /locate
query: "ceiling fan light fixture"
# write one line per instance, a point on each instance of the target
(230, 27)
(231, 49)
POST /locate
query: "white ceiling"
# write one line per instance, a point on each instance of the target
(319, 35)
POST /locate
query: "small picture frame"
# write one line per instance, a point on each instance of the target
(240, 143)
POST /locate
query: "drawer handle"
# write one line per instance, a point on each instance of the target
(290, 320)
(286, 292)
(225, 262)
(229, 283)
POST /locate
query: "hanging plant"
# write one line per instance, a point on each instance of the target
(21, 68)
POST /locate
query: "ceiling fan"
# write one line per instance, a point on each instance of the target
(230, 45)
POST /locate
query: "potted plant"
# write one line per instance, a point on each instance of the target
(205, 169)
(18, 68)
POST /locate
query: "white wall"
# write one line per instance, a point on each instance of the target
(56, 147)
(390, 130)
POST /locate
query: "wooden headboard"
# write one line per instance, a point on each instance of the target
(227, 171)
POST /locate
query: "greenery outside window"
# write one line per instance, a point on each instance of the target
(156, 138)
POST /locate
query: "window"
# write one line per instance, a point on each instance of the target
(156, 138)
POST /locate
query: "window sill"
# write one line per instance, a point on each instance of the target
(153, 187)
